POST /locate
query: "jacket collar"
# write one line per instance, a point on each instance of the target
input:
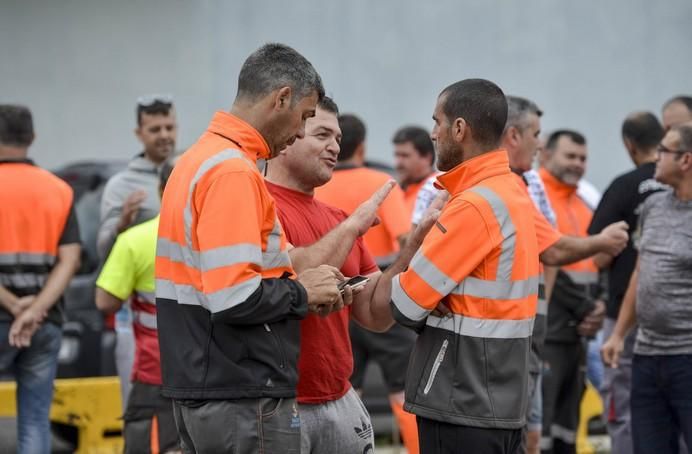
(556, 186)
(241, 133)
(17, 161)
(471, 172)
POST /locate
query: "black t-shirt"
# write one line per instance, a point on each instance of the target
(621, 202)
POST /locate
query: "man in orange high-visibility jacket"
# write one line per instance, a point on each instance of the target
(228, 306)
(39, 254)
(575, 309)
(467, 380)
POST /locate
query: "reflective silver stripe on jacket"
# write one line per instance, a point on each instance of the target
(483, 327)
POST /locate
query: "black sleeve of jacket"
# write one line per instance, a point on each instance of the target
(573, 297)
(274, 300)
(401, 319)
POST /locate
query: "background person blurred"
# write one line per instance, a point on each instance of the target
(575, 308)
(622, 201)
(658, 301)
(676, 111)
(132, 197)
(128, 275)
(39, 253)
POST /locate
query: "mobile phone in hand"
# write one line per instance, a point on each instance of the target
(354, 282)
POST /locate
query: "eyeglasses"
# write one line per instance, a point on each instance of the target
(661, 149)
(150, 100)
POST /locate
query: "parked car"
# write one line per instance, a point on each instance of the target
(87, 348)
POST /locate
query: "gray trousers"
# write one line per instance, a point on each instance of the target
(244, 426)
(341, 426)
(615, 392)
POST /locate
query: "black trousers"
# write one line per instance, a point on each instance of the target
(436, 437)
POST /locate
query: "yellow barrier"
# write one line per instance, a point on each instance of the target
(92, 405)
(590, 406)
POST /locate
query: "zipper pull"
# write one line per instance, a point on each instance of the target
(266, 327)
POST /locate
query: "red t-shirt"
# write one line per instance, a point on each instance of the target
(325, 363)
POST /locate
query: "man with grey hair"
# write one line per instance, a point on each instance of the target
(622, 201)
(228, 295)
(658, 300)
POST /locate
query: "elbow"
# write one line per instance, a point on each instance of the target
(105, 302)
(550, 257)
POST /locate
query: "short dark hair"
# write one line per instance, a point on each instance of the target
(574, 136)
(517, 110)
(419, 137)
(352, 135)
(16, 125)
(329, 105)
(157, 107)
(273, 66)
(683, 99)
(642, 129)
(685, 132)
(482, 104)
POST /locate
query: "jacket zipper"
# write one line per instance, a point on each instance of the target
(436, 366)
(278, 344)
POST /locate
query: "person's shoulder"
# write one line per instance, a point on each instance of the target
(140, 232)
(656, 200)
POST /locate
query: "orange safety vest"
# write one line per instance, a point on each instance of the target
(349, 187)
(573, 218)
(35, 207)
(481, 260)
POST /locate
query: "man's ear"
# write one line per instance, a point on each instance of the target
(513, 136)
(282, 98)
(460, 129)
(686, 162)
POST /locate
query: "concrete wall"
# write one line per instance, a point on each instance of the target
(80, 64)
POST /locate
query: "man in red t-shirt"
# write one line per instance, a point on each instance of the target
(333, 419)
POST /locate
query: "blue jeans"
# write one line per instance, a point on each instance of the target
(34, 370)
(661, 403)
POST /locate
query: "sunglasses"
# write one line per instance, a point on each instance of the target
(150, 100)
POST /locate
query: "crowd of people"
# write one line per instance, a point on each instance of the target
(486, 273)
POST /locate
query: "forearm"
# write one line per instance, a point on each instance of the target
(332, 249)
(570, 249)
(59, 277)
(106, 237)
(603, 260)
(627, 315)
(8, 300)
(371, 306)
(274, 300)
(380, 309)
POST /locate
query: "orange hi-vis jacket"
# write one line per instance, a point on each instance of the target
(573, 218)
(576, 285)
(226, 305)
(351, 186)
(36, 207)
(481, 260)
